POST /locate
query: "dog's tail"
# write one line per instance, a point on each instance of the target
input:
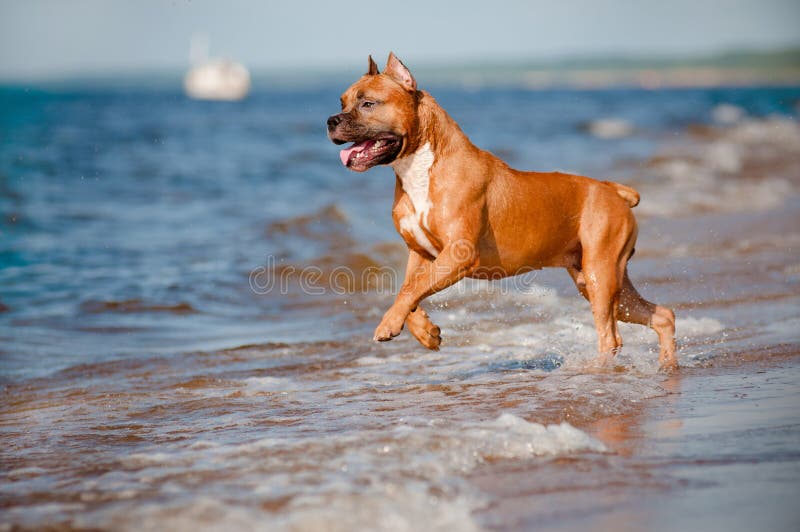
(627, 193)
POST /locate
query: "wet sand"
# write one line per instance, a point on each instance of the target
(720, 452)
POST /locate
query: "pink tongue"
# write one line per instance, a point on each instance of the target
(344, 155)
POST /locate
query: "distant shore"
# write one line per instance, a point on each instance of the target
(732, 69)
(728, 69)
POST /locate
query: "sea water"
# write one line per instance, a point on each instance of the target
(188, 293)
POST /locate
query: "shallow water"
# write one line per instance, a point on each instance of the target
(718, 453)
(181, 345)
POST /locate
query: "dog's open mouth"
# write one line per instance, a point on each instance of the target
(364, 155)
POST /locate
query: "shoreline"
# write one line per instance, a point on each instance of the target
(718, 452)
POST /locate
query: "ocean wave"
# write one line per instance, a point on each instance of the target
(131, 306)
(409, 477)
(329, 222)
(752, 165)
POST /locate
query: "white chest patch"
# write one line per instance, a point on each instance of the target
(414, 173)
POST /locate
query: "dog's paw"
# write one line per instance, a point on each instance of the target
(668, 363)
(388, 328)
(430, 339)
(420, 325)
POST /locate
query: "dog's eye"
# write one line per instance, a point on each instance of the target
(367, 104)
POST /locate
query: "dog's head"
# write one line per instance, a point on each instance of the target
(379, 116)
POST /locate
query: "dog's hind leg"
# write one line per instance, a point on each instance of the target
(602, 287)
(580, 283)
(633, 308)
(606, 245)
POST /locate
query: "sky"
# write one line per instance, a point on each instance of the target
(51, 39)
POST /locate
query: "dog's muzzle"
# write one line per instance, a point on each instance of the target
(333, 123)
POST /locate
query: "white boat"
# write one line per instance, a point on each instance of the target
(214, 79)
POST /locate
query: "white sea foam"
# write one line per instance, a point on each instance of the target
(25, 472)
(787, 330)
(689, 326)
(776, 131)
(391, 507)
(410, 477)
(727, 114)
(510, 436)
(610, 128)
(371, 361)
(204, 444)
(267, 385)
(723, 156)
(746, 167)
(141, 460)
(203, 512)
(439, 451)
(43, 513)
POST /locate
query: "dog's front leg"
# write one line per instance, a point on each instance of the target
(455, 261)
(418, 322)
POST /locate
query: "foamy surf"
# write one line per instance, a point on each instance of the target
(751, 165)
(399, 478)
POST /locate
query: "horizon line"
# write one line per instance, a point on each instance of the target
(791, 54)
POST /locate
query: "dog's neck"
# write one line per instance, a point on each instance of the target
(414, 173)
(437, 129)
(438, 138)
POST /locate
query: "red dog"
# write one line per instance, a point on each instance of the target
(465, 213)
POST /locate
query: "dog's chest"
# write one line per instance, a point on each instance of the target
(414, 173)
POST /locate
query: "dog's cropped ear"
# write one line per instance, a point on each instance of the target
(373, 68)
(398, 71)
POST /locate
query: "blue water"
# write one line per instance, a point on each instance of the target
(131, 220)
(146, 384)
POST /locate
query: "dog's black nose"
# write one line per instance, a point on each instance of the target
(334, 121)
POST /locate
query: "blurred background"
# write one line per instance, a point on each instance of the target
(165, 175)
(613, 42)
